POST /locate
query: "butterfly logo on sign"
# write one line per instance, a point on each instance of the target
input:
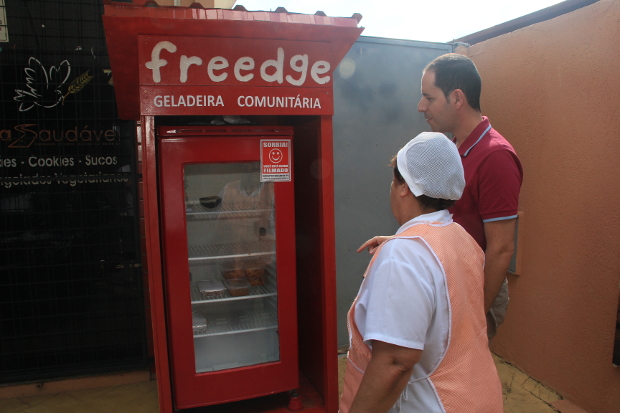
(275, 155)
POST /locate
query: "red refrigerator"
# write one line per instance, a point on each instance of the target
(228, 232)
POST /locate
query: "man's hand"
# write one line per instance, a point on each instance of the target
(500, 247)
(372, 244)
(386, 377)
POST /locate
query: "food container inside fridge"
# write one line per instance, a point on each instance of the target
(233, 271)
(255, 276)
(237, 288)
(199, 323)
(211, 288)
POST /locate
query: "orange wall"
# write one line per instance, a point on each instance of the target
(553, 90)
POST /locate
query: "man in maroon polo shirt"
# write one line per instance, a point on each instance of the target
(450, 103)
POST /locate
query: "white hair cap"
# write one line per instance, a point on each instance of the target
(431, 166)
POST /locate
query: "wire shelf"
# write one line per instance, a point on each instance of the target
(258, 291)
(233, 250)
(222, 323)
(237, 211)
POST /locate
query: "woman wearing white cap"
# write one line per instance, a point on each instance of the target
(417, 328)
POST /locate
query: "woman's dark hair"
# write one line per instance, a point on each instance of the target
(454, 71)
(425, 201)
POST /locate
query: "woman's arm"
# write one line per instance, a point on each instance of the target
(386, 377)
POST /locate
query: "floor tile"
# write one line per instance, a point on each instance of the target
(515, 402)
(13, 405)
(62, 403)
(87, 395)
(117, 398)
(152, 396)
(540, 391)
(564, 406)
(34, 400)
(342, 364)
(522, 394)
(139, 405)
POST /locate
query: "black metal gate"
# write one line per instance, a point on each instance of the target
(71, 288)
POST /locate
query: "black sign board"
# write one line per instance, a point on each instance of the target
(71, 297)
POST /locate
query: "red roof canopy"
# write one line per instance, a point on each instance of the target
(125, 22)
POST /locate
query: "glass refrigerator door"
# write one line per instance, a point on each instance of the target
(232, 265)
(229, 270)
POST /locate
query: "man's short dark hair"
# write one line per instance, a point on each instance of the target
(454, 71)
(425, 201)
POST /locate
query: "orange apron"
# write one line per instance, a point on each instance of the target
(465, 380)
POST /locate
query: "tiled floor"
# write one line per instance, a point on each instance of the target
(126, 398)
(522, 394)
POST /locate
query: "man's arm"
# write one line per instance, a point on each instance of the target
(500, 247)
(387, 375)
(373, 243)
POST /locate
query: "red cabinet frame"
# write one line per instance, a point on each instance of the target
(132, 34)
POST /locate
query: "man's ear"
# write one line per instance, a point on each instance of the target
(457, 98)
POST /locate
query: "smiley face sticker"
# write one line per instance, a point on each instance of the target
(276, 155)
(275, 159)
